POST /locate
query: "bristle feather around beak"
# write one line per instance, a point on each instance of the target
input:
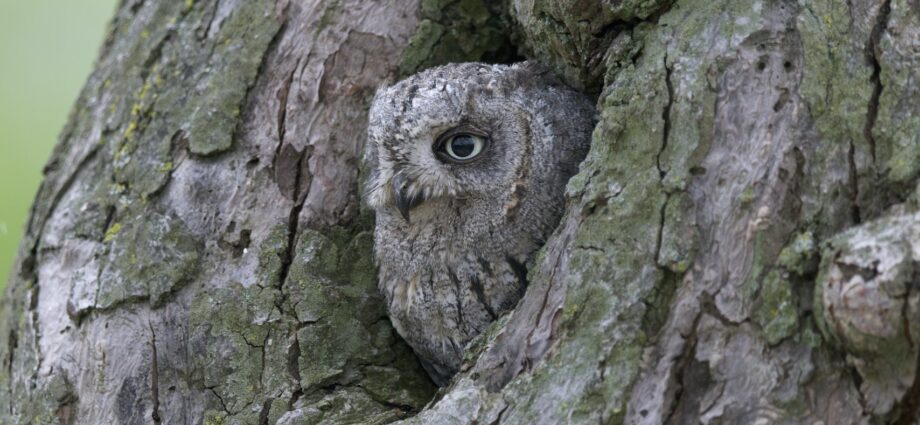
(405, 199)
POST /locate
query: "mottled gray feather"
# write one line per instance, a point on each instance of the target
(456, 261)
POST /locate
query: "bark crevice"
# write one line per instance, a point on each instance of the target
(266, 408)
(223, 404)
(872, 52)
(666, 132)
(910, 406)
(855, 214)
(293, 369)
(11, 346)
(154, 377)
(678, 377)
(293, 227)
(717, 328)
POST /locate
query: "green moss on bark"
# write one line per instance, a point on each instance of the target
(149, 257)
(332, 289)
(837, 90)
(776, 314)
(573, 36)
(895, 131)
(240, 43)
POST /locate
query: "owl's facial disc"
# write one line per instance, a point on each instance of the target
(455, 148)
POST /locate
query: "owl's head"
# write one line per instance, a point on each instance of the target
(472, 132)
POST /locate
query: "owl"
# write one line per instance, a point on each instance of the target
(467, 171)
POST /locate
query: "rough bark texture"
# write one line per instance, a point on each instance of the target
(740, 246)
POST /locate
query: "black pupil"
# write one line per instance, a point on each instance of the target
(463, 145)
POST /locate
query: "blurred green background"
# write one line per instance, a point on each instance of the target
(47, 49)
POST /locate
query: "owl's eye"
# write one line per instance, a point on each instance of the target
(460, 147)
(463, 147)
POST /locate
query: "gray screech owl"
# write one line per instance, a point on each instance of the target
(468, 165)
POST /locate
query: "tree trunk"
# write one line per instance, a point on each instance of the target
(742, 244)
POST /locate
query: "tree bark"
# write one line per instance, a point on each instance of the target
(741, 245)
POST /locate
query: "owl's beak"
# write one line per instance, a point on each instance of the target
(404, 200)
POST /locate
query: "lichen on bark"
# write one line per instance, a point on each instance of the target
(198, 253)
(164, 274)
